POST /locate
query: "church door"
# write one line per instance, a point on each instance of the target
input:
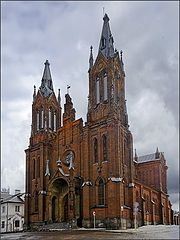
(54, 200)
(59, 202)
(66, 208)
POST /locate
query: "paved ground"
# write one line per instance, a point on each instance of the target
(146, 232)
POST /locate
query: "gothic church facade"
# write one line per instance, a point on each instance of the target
(75, 171)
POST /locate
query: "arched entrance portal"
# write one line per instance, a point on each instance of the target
(59, 200)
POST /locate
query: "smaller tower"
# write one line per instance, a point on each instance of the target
(69, 111)
(46, 108)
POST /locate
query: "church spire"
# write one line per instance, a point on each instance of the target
(46, 87)
(106, 46)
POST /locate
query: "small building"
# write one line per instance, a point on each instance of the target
(12, 211)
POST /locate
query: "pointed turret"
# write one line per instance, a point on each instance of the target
(31, 130)
(59, 97)
(157, 153)
(122, 64)
(46, 87)
(91, 58)
(106, 46)
(125, 113)
(69, 111)
(34, 95)
(135, 156)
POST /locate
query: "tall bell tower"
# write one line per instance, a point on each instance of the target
(107, 80)
(110, 141)
(46, 120)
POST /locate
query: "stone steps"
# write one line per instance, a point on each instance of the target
(54, 227)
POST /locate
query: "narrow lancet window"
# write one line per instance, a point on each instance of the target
(42, 118)
(37, 121)
(55, 122)
(101, 193)
(104, 148)
(50, 118)
(103, 41)
(34, 169)
(95, 150)
(105, 87)
(38, 168)
(97, 91)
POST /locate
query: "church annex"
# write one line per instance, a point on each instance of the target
(76, 170)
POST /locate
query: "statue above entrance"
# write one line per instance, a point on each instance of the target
(69, 157)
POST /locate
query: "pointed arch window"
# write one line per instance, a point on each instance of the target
(42, 118)
(38, 168)
(37, 121)
(105, 93)
(97, 91)
(55, 121)
(95, 150)
(103, 42)
(104, 148)
(50, 118)
(101, 192)
(34, 169)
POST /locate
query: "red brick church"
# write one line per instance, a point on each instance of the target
(75, 169)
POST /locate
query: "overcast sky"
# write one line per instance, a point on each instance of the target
(63, 32)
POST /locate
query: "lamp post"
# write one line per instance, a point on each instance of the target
(94, 218)
(122, 208)
(147, 218)
(7, 218)
(135, 210)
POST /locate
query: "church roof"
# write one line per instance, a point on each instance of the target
(106, 46)
(147, 158)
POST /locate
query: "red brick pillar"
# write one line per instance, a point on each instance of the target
(86, 211)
